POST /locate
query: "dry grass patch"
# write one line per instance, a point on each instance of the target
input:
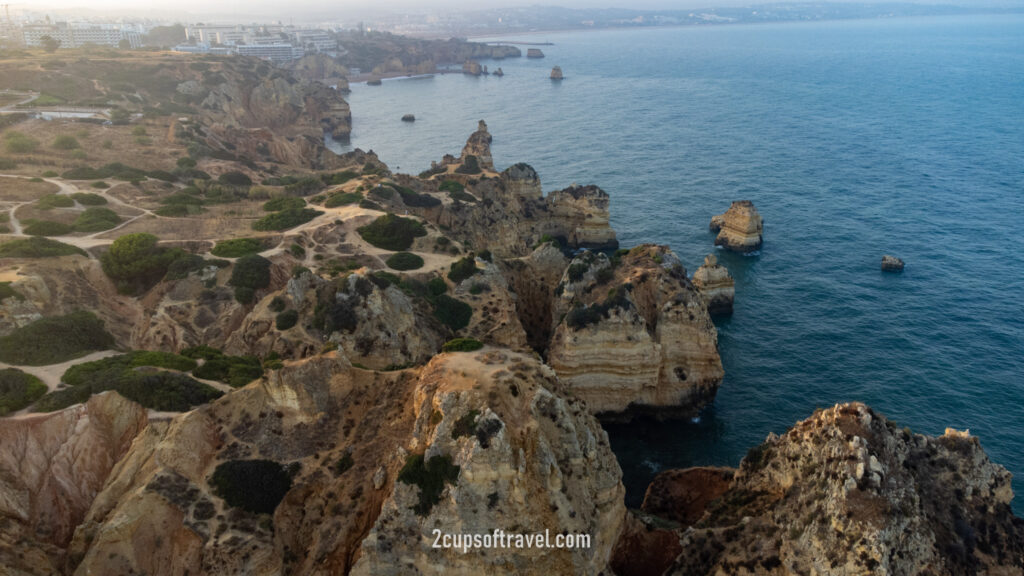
(24, 190)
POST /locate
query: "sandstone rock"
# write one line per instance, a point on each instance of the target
(715, 285)
(522, 181)
(472, 67)
(321, 68)
(528, 458)
(534, 53)
(684, 495)
(892, 264)
(51, 468)
(740, 228)
(848, 492)
(556, 73)
(634, 337)
(479, 145)
(583, 211)
(647, 546)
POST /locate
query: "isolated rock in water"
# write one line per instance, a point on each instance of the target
(479, 145)
(472, 67)
(556, 73)
(637, 335)
(534, 53)
(374, 81)
(848, 492)
(740, 229)
(892, 264)
(499, 72)
(51, 468)
(715, 285)
(409, 118)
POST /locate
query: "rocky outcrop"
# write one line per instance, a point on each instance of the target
(848, 492)
(534, 53)
(716, 286)
(582, 212)
(522, 181)
(556, 73)
(479, 145)
(472, 67)
(740, 228)
(636, 335)
(320, 68)
(51, 468)
(892, 264)
(683, 495)
(408, 118)
(526, 459)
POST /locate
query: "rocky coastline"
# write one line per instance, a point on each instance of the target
(461, 396)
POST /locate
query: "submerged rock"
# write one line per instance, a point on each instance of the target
(715, 285)
(740, 228)
(892, 264)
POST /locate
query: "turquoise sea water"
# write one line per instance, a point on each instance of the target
(853, 139)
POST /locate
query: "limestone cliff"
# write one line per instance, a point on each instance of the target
(51, 468)
(320, 68)
(740, 228)
(634, 333)
(715, 285)
(848, 492)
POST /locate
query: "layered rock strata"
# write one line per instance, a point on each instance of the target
(716, 286)
(740, 228)
(479, 145)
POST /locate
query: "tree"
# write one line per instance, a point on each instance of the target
(49, 43)
(135, 262)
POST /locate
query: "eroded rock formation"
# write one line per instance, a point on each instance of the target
(715, 285)
(740, 228)
(479, 146)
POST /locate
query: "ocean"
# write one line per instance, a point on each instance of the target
(854, 139)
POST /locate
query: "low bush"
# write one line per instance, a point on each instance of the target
(287, 319)
(251, 273)
(430, 476)
(304, 186)
(453, 313)
(413, 199)
(451, 186)
(55, 339)
(284, 203)
(114, 170)
(6, 291)
(582, 316)
(96, 219)
(333, 315)
(462, 269)
(462, 345)
(37, 248)
(235, 178)
(404, 261)
(98, 371)
(162, 175)
(66, 142)
(342, 199)
(46, 228)
(238, 247)
(136, 263)
(469, 166)
(338, 178)
(437, 286)
(89, 199)
(256, 486)
(392, 232)
(18, 390)
(51, 201)
(19, 143)
(235, 371)
(370, 205)
(285, 219)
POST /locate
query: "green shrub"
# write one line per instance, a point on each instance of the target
(186, 162)
(114, 170)
(404, 261)
(66, 142)
(577, 271)
(50, 174)
(344, 464)
(437, 286)
(37, 248)
(469, 166)
(162, 175)
(338, 178)
(285, 219)
(47, 228)
(89, 199)
(466, 425)
(237, 247)
(297, 250)
(392, 232)
(51, 201)
(287, 319)
(18, 143)
(284, 203)
(251, 273)
(462, 269)
(178, 210)
(370, 205)
(414, 200)
(278, 304)
(256, 486)
(6, 291)
(7, 164)
(485, 255)
(112, 368)
(462, 345)
(342, 199)
(304, 186)
(235, 178)
(333, 315)
(582, 316)
(18, 390)
(55, 339)
(136, 263)
(95, 219)
(451, 186)
(430, 476)
(235, 371)
(479, 288)
(451, 312)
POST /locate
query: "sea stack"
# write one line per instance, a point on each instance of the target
(499, 72)
(892, 264)
(556, 73)
(409, 118)
(740, 229)
(716, 286)
(472, 67)
(479, 146)
(534, 53)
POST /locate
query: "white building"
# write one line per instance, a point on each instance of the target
(76, 37)
(277, 52)
(316, 40)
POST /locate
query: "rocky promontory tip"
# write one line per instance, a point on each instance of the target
(892, 264)
(740, 228)
(716, 286)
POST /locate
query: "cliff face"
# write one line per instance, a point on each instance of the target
(848, 492)
(634, 333)
(715, 285)
(51, 468)
(740, 228)
(528, 458)
(479, 142)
